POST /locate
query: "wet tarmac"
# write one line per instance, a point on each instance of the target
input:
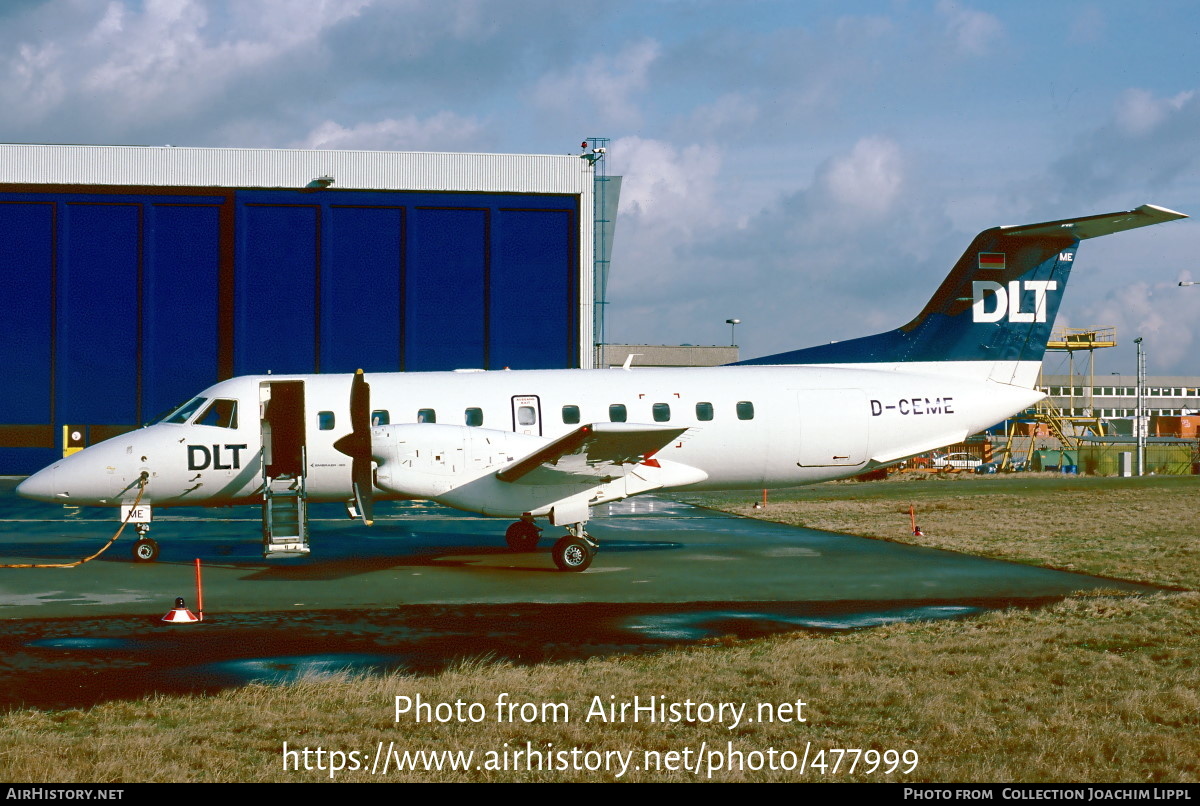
(428, 587)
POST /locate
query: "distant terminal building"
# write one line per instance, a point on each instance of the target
(1113, 398)
(667, 355)
(134, 277)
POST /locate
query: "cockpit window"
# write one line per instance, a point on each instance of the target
(184, 412)
(220, 413)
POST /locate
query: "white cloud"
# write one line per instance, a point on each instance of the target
(171, 38)
(669, 206)
(666, 184)
(610, 84)
(474, 19)
(868, 179)
(1088, 24)
(132, 62)
(147, 49)
(1138, 112)
(781, 163)
(854, 29)
(730, 114)
(1157, 312)
(1144, 151)
(972, 32)
(35, 78)
(444, 131)
(796, 266)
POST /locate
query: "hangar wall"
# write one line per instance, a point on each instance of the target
(121, 300)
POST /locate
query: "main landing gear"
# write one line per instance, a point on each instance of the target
(572, 552)
(575, 551)
(145, 550)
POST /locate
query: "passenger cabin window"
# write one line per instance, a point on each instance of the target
(662, 412)
(325, 420)
(220, 413)
(526, 415)
(570, 414)
(745, 410)
(181, 414)
(426, 416)
(474, 416)
(704, 412)
(617, 413)
(381, 417)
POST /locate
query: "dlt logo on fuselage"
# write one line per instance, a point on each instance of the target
(201, 457)
(1007, 300)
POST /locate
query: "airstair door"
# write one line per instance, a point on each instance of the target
(527, 415)
(284, 514)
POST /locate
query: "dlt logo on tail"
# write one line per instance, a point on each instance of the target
(1007, 297)
(1008, 300)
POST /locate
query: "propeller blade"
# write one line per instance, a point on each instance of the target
(364, 490)
(360, 404)
(357, 445)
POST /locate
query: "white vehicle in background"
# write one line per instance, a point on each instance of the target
(955, 461)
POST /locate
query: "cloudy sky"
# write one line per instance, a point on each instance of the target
(812, 168)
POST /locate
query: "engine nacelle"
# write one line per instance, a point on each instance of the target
(427, 460)
(456, 465)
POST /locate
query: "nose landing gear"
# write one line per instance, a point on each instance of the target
(145, 549)
(523, 535)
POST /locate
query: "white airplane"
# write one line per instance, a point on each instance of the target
(553, 443)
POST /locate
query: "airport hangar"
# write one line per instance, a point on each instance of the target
(133, 277)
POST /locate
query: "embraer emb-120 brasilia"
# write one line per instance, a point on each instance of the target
(553, 443)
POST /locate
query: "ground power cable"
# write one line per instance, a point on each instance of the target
(141, 482)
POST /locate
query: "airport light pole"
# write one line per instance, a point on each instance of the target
(1141, 407)
(733, 323)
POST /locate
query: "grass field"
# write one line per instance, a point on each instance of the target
(1140, 529)
(1096, 688)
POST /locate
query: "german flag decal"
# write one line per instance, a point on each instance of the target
(991, 260)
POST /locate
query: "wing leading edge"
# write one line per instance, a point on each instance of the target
(595, 451)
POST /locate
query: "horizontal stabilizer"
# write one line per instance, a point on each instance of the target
(1093, 226)
(594, 451)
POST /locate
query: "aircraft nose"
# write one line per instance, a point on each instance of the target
(40, 486)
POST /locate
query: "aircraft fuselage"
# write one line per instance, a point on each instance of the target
(747, 427)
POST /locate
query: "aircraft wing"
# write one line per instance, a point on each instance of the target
(591, 452)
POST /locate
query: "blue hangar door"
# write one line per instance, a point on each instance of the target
(332, 281)
(119, 304)
(109, 301)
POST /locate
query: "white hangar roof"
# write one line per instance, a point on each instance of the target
(170, 166)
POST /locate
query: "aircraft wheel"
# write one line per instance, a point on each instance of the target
(145, 550)
(572, 554)
(522, 536)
